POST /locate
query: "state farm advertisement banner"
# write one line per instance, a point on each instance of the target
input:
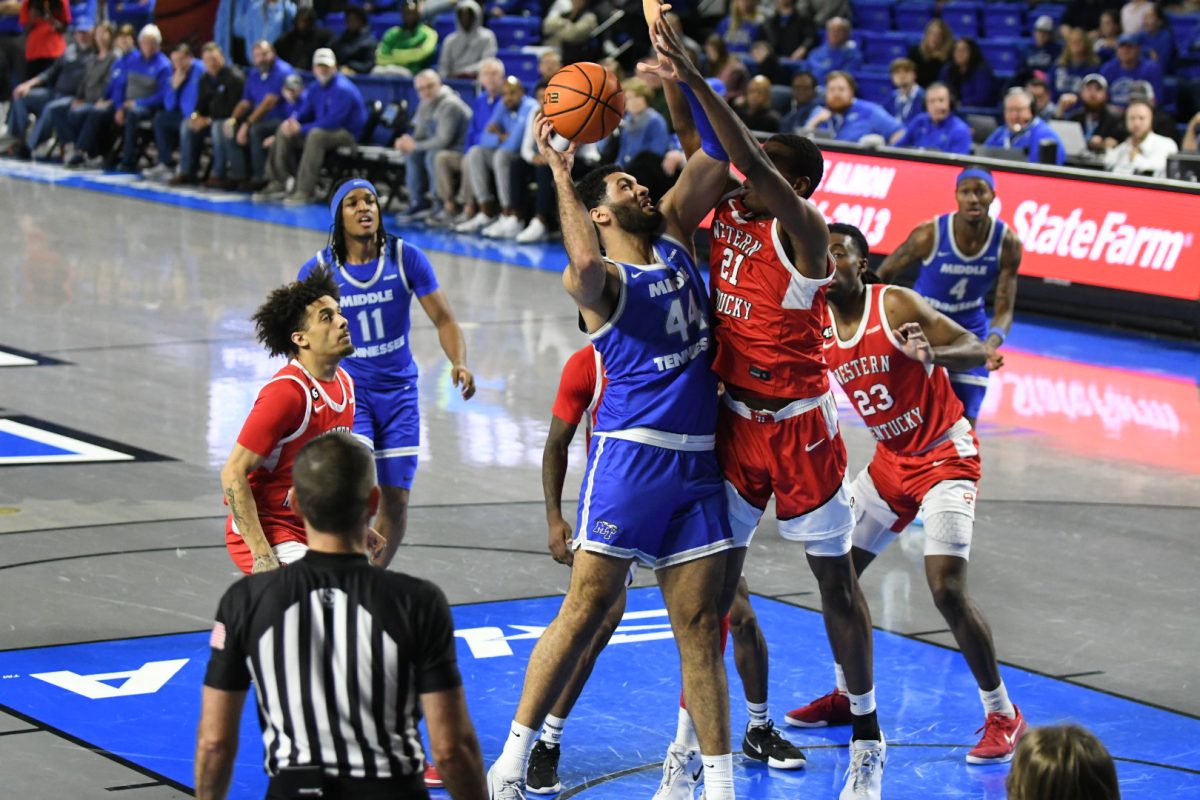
(1118, 237)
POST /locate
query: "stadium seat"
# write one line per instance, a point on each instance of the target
(874, 87)
(467, 88)
(380, 23)
(781, 99)
(912, 17)
(1003, 55)
(795, 64)
(1054, 11)
(1183, 26)
(872, 15)
(1004, 20)
(963, 17)
(516, 32)
(882, 48)
(520, 64)
(335, 21)
(444, 24)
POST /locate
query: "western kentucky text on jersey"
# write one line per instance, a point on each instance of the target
(863, 365)
(737, 239)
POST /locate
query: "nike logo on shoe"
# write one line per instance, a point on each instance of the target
(808, 448)
(753, 747)
(696, 775)
(1010, 738)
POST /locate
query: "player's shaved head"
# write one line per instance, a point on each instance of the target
(333, 477)
(286, 311)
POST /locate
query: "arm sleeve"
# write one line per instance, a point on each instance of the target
(418, 270)
(433, 629)
(227, 669)
(576, 387)
(278, 412)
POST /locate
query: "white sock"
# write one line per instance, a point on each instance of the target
(552, 730)
(841, 679)
(685, 731)
(718, 777)
(997, 700)
(758, 714)
(514, 761)
(862, 704)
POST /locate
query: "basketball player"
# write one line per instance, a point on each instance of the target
(963, 255)
(778, 430)
(309, 397)
(378, 275)
(579, 391)
(890, 353)
(652, 491)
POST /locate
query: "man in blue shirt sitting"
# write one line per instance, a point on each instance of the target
(839, 52)
(1023, 131)
(489, 163)
(332, 115)
(170, 122)
(936, 128)
(1129, 66)
(848, 119)
(140, 90)
(453, 185)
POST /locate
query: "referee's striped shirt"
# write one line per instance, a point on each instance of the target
(338, 652)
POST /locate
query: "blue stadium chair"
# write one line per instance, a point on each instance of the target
(872, 15)
(913, 16)
(963, 17)
(1002, 54)
(1170, 97)
(1004, 20)
(520, 64)
(335, 21)
(1183, 26)
(380, 23)
(127, 11)
(882, 48)
(467, 88)
(516, 32)
(444, 24)
(874, 87)
(795, 64)
(1054, 11)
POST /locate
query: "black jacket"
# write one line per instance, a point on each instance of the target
(219, 94)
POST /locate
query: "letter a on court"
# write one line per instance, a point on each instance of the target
(146, 679)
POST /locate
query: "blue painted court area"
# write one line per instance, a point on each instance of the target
(139, 698)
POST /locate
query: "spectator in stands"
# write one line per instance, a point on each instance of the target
(1157, 39)
(125, 41)
(908, 98)
(1189, 136)
(1043, 53)
(332, 115)
(1144, 152)
(804, 102)
(825, 10)
(1133, 15)
(692, 47)
(291, 97)
(254, 119)
(1043, 99)
(725, 67)
(845, 118)
(766, 64)
(1085, 15)
(1022, 130)
(969, 76)
(937, 128)
(219, 91)
(839, 52)
(140, 90)
(756, 112)
(490, 167)
(441, 123)
(409, 47)
(68, 122)
(178, 107)
(465, 50)
(306, 37)
(264, 20)
(933, 52)
(1077, 60)
(43, 21)
(743, 26)
(453, 183)
(1130, 66)
(1102, 126)
(1106, 40)
(549, 63)
(791, 30)
(1164, 123)
(1064, 761)
(43, 93)
(643, 130)
(12, 47)
(571, 32)
(355, 46)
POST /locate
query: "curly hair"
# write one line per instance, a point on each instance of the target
(286, 311)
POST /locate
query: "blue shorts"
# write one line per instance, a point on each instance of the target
(970, 387)
(389, 422)
(659, 506)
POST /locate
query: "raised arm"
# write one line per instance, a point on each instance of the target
(450, 335)
(915, 248)
(929, 336)
(554, 473)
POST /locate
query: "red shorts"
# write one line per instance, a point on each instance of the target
(277, 534)
(903, 481)
(796, 454)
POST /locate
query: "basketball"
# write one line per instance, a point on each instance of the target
(584, 102)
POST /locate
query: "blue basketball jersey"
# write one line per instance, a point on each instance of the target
(657, 349)
(956, 284)
(376, 300)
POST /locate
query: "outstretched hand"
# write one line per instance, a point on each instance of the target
(557, 160)
(653, 11)
(913, 342)
(674, 62)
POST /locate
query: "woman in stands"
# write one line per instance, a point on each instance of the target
(1110, 30)
(933, 52)
(743, 26)
(1077, 60)
(719, 63)
(969, 76)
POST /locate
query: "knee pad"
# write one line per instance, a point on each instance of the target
(948, 533)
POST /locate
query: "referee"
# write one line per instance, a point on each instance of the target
(344, 658)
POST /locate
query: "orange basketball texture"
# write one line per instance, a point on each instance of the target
(584, 102)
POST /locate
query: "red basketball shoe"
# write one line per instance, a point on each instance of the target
(1000, 737)
(832, 709)
(433, 778)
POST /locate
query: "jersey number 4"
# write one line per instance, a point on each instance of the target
(364, 324)
(882, 402)
(959, 290)
(676, 324)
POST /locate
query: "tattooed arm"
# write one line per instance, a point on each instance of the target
(236, 488)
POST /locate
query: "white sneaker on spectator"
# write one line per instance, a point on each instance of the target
(43, 150)
(504, 228)
(159, 172)
(475, 223)
(535, 231)
(95, 162)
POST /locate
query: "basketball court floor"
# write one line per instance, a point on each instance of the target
(127, 365)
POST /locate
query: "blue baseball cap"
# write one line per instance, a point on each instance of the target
(83, 23)
(1127, 38)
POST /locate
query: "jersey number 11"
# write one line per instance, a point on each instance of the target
(364, 324)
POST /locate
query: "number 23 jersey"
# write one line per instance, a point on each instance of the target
(376, 299)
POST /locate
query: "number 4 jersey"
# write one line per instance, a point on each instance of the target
(955, 284)
(376, 299)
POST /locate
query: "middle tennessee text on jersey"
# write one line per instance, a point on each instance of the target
(657, 349)
(955, 283)
(376, 299)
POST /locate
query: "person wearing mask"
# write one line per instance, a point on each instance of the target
(465, 50)
(219, 92)
(47, 91)
(1077, 60)
(408, 47)
(804, 102)
(177, 109)
(790, 30)
(1023, 131)
(839, 52)
(1144, 152)
(933, 52)
(1102, 125)
(306, 37)
(908, 98)
(1129, 66)
(756, 112)
(355, 46)
(969, 76)
(937, 128)
(440, 123)
(846, 118)
(743, 26)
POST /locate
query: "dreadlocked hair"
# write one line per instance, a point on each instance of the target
(286, 311)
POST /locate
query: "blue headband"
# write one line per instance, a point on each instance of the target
(347, 188)
(979, 174)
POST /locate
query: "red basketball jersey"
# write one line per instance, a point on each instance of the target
(579, 391)
(769, 318)
(906, 405)
(292, 409)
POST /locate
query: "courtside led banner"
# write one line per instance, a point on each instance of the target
(1119, 237)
